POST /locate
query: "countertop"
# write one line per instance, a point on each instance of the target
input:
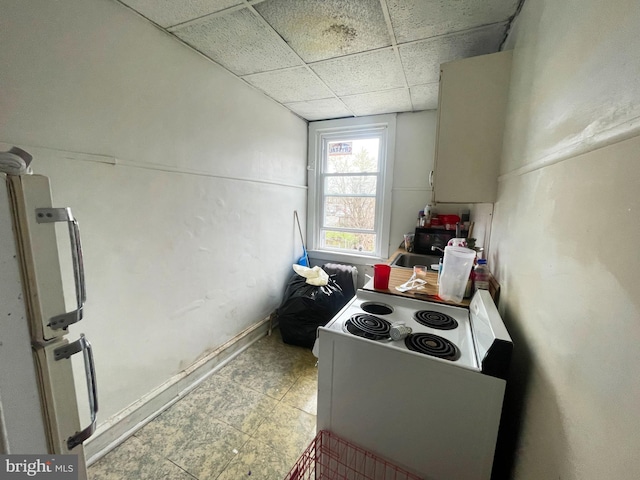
(400, 275)
(429, 292)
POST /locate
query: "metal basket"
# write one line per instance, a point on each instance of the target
(329, 457)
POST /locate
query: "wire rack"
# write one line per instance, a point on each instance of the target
(329, 457)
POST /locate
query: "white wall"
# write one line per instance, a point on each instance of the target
(185, 186)
(564, 241)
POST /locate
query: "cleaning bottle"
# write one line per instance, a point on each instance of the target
(481, 275)
(427, 215)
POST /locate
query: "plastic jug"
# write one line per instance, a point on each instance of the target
(456, 267)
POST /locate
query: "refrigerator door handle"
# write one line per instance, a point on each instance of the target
(83, 345)
(49, 215)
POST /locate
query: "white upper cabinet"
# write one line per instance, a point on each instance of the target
(471, 113)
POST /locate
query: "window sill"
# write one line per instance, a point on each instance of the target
(344, 257)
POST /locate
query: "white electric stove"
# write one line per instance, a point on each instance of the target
(419, 383)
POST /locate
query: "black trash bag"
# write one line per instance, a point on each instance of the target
(306, 307)
(344, 275)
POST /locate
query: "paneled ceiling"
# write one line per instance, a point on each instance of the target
(327, 59)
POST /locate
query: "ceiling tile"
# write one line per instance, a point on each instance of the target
(320, 29)
(422, 59)
(240, 42)
(290, 85)
(320, 109)
(168, 13)
(379, 102)
(418, 19)
(424, 97)
(363, 73)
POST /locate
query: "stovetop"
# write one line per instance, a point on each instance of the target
(442, 331)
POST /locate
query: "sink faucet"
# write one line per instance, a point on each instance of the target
(434, 248)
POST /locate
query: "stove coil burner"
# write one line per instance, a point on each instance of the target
(432, 345)
(437, 320)
(376, 308)
(368, 326)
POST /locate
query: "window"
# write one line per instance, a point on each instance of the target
(350, 165)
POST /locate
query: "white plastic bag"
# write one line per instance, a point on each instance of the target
(315, 276)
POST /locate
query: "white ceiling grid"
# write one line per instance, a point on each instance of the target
(327, 59)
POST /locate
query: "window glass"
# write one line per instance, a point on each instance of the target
(353, 156)
(350, 212)
(350, 185)
(360, 242)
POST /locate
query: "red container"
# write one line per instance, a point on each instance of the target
(451, 219)
(381, 273)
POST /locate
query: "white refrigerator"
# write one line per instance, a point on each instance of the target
(38, 406)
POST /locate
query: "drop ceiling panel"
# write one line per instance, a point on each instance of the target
(379, 102)
(239, 41)
(320, 109)
(367, 72)
(424, 97)
(419, 19)
(321, 29)
(168, 13)
(290, 85)
(422, 59)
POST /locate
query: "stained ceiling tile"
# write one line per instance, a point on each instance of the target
(424, 97)
(320, 109)
(320, 29)
(379, 102)
(290, 85)
(238, 41)
(168, 13)
(422, 59)
(418, 19)
(363, 73)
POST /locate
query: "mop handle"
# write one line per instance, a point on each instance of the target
(304, 248)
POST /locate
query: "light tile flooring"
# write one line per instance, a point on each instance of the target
(251, 419)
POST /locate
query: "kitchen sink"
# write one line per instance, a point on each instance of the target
(409, 260)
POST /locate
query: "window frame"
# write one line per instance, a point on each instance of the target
(320, 134)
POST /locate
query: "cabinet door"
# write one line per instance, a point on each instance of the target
(471, 111)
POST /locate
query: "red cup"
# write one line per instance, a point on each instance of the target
(381, 272)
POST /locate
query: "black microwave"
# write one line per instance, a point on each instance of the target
(428, 241)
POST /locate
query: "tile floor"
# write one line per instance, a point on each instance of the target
(251, 419)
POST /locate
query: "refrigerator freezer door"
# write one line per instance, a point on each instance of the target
(35, 220)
